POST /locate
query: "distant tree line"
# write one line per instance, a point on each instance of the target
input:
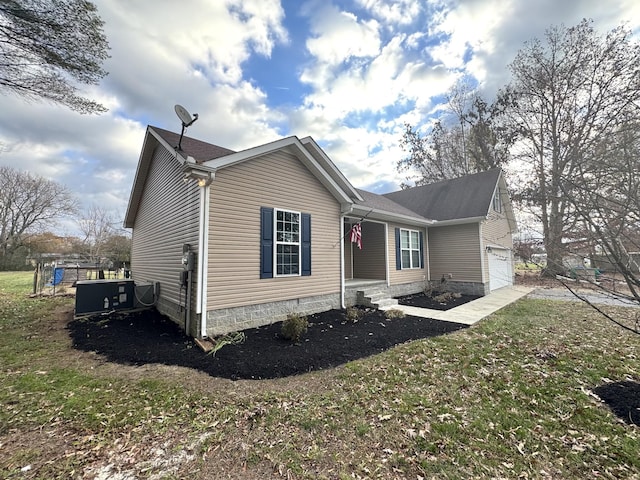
(31, 205)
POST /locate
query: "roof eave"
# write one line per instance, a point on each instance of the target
(310, 142)
(458, 221)
(383, 215)
(138, 180)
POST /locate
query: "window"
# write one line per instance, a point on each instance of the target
(410, 249)
(287, 243)
(497, 203)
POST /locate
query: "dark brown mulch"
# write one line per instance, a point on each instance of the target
(623, 398)
(428, 301)
(331, 340)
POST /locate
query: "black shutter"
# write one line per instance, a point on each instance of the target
(421, 250)
(398, 254)
(306, 245)
(266, 242)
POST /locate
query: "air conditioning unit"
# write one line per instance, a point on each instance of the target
(102, 296)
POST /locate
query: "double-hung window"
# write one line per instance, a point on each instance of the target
(287, 244)
(410, 248)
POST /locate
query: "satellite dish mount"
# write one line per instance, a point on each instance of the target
(186, 119)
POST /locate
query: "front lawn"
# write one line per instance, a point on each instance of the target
(511, 397)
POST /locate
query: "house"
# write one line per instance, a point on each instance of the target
(240, 239)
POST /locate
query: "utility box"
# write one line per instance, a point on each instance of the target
(102, 296)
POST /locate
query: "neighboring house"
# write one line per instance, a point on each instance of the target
(268, 229)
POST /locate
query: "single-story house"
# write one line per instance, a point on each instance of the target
(233, 240)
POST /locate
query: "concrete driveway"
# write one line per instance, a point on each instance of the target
(593, 297)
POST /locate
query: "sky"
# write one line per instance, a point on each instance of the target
(349, 73)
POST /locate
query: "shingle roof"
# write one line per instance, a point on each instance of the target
(465, 197)
(381, 203)
(199, 150)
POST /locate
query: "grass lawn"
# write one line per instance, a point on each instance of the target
(511, 397)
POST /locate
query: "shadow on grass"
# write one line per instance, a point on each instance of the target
(331, 340)
(623, 398)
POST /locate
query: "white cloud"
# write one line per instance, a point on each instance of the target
(396, 11)
(339, 35)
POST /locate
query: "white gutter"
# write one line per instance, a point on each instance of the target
(374, 214)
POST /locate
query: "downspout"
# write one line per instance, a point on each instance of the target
(342, 281)
(386, 254)
(483, 258)
(427, 254)
(203, 250)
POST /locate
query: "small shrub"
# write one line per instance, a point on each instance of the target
(447, 297)
(353, 314)
(394, 313)
(294, 327)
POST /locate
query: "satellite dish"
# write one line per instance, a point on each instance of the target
(186, 119)
(184, 115)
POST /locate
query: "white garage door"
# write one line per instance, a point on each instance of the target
(500, 268)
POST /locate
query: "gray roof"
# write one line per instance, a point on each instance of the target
(381, 203)
(199, 150)
(465, 197)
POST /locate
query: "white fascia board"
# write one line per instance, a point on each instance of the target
(309, 142)
(170, 148)
(374, 214)
(291, 145)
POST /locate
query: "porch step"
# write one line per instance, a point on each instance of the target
(375, 298)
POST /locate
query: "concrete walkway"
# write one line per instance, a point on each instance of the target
(471, 312)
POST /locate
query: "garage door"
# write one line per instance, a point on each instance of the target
(500, 268)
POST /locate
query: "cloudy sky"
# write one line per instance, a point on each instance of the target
(349, 73)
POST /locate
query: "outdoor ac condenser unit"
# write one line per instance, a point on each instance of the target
(102, 296)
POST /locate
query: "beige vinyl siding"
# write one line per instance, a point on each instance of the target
(277, 180)
(397, 277)
(455, 250)
(369, 263)
(167, 218)
(495, 231)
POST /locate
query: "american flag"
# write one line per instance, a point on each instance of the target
(356, 235)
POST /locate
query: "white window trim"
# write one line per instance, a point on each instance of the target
(410, 250)
(276, 243)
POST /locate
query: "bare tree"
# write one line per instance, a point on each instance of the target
(466, 139)
(606, 199)
(568, 96)
(47, 44)
(28, 202)
(96, 225)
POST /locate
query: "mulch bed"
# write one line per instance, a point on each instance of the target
(428, 301)
(331, 340)
(623, 398)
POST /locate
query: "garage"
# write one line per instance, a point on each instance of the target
(500, 268)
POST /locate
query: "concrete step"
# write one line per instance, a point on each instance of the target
(385, 303)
